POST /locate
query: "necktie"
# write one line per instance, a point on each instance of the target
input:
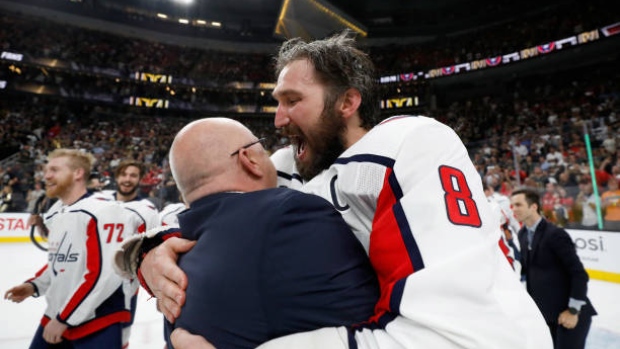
(530, 237)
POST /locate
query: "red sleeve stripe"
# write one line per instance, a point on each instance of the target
(506, 252)
(93, 267)
(39, 273)
(393, 250)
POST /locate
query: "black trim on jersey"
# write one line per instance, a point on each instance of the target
(100, 259)
(290, 176)
(407, 236)
(53, 214)
(36, 289)
(351, 338)
(136, 212)
(401, 219)
(380, 324)
(332, 191)
(377, 159)
(175, 211)
(397, 295)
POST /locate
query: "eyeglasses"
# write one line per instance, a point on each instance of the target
(260, 140)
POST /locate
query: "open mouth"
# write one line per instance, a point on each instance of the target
(299, 144)
(49, 187)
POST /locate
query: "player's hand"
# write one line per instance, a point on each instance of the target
(35, 219)
(164, 277)
(182, 339)
(568, 320)
(52, 333)
(20, 292)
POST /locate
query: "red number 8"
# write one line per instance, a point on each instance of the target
(462, 209)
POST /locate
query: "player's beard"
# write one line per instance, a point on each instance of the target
(325, 144)
(129, 192)
(61, 185)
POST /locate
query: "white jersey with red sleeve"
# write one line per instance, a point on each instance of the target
(411, 194)
(80, 285)
(147, 213)
(143, 208)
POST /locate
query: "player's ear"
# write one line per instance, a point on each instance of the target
(350, 102)
(79, 173)
(250, 161)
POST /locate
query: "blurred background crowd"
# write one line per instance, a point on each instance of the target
(551, 126)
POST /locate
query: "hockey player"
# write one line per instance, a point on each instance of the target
(127, 176)
(509, 226)
(412, 196)
(85, 299)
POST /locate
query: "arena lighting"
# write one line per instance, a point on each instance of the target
(183, 21)
(216, 24)
(201, 22)
(183, 2)
(313, 19)
(161, 15)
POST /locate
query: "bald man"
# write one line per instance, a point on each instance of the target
(267, 261)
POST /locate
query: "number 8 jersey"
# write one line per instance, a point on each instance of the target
(412, 196)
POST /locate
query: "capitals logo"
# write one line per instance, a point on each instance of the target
(448, 70)
(493, 61)
(59, 253)
(546, 48)
(407, 77)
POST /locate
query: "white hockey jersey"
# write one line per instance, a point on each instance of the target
(500, 206)
(143, 208)
(507, 216)
(168, 214)
(80, 285)
(146, 217)
(414, 199)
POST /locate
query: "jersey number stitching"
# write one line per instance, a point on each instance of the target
(111, 227)
(461, 207)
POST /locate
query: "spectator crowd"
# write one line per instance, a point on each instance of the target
(534, 136)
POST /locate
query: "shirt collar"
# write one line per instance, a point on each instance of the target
(534, 226)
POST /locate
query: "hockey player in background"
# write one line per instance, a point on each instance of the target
(127, 176)
(85, 299)
(509, 226)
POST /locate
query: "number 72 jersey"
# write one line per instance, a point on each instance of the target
(80, 285)
(412, 196)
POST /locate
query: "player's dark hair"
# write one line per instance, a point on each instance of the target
(126, 163)
(531, 196)
(339, 66)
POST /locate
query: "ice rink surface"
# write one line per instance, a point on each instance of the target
(18, 322)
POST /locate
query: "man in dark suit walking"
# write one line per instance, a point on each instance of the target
(554, 275)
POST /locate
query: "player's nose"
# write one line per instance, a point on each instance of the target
(281, 119)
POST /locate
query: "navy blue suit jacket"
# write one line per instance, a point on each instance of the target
(553, 271)
(270, 263)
